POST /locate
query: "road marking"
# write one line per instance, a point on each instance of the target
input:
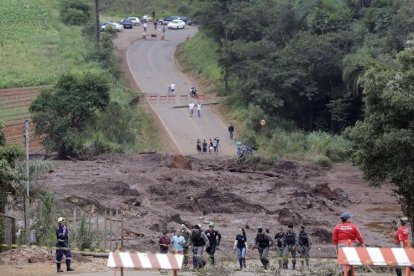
(152, 107)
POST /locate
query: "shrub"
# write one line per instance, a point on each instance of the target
(75, 12)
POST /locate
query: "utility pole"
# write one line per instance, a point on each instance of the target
(27, 197)
(98, 28)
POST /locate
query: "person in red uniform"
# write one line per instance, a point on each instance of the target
(402, 238)
(346, 231)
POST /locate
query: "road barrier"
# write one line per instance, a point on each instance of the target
(121, 260)
(356, 256)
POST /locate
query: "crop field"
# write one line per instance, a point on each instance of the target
(35, 47)
(14, 104)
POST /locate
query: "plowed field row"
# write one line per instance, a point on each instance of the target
(14, 104)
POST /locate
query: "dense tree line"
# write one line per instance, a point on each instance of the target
(302, 60)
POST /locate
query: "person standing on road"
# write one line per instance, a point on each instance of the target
(62, 245)
(345, 232)
(145, 25)
(199, 109)
(210, 146)
(231, 131)
(304, 247)
(240, 245)
(155, 24)
(198, 240)
(164, 242)
(279, 247)
(402, 239)
(238, 147)
(263, 242)
(191, 107)
(172, 88)
(178, 243)
(290, 244)
(198, 146)
(214, 237)
(217, 143)
(205, 145)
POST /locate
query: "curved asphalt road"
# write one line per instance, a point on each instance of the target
(153, 67)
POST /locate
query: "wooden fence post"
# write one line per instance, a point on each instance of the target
(105, 234)
(122, 229)
(110, 229)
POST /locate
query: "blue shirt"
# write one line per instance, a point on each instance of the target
(178, 243)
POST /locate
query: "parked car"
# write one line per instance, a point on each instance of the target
(166, 20)
(135, 20)
(126, 23)
(176, 24)
(116, 26)
(146, 18)
(187, 20)
(103, 26)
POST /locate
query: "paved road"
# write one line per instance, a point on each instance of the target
(153, 67)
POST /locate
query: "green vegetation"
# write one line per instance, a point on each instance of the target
(35, 47)
(383, 142)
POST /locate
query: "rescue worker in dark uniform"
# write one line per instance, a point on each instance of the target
(214, 238)
(290, 244)
(279, 247)
(263, 242)
(62, 245)
(198, 240)
(304, 246)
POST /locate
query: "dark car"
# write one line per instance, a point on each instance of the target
(187, 20)
(126, 23)
(166, 20)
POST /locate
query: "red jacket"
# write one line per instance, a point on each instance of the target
(402, 235)
(346, 231)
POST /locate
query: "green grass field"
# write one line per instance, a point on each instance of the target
(35, 47)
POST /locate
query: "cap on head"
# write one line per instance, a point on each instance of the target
(211, 225)
(290, 226)
(403, 220)
(260, 229)
(196, 226)
(61, 220)
(346, 215)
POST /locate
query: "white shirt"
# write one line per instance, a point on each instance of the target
(145, 25)
(198, 106)
(191, 105)
(172, 86)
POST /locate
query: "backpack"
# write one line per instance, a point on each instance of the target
(262, 240)
(290, 238)
(303, 239)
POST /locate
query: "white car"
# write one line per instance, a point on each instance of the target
(116, 26)
(135, 20)
(176, 24)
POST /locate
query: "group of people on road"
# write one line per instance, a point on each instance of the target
(213, 145)
(192, 105)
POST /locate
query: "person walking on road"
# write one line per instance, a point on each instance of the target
(240, 245)
(199, 109)
(191, 106)
(172, 85)
(231, 131)
(217, 144)
(290, 244)
(263, 242)
(238, 147)
(62, 245)
(205, 145)
(214, 237)
(402, 237)
(210, 146)
(145, 25)
(346, 232)
(279, 247)
(199, 240)
(304, 247)
(178, 243)
(155, 24)
(164, 242)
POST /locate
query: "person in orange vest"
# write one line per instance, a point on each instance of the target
(402, 238)
(345, 232)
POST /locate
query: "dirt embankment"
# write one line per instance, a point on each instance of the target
(158, 192)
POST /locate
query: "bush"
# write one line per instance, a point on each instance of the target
(75, 12)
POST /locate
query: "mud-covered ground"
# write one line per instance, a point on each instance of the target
(155, 196)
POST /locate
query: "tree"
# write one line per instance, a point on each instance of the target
(384, 140)
(64, 112)
(75, 12)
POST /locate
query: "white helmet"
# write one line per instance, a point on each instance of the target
(61, 219)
